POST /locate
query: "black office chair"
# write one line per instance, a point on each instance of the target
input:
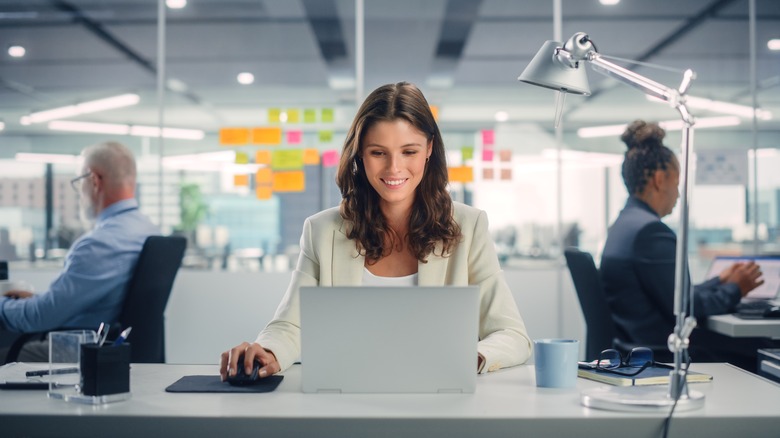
(145, 301)
(147, 296)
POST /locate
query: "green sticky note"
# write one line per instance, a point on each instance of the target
(274, 115)
(309, 115)
(327, 115)
(293, 115)
(326, 136)
(287, 159)
(468, 152)
(242, 158)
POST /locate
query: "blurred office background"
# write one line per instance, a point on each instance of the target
(255, 97)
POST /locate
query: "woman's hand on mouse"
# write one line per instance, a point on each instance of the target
(250, 352)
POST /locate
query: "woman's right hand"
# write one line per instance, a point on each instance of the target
(250, 352)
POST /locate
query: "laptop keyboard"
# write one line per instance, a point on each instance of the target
(753, 308)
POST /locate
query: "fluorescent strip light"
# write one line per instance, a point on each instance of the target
(117, 129)
(721, 107)
(669, 125)
(48, 158)
(773, 44)
(2, 126)
(92, 106)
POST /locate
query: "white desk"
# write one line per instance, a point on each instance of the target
(506, 403)
(730, 325)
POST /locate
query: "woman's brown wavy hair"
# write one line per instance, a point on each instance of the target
(432, 218)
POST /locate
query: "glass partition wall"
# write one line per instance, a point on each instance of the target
(255, 98)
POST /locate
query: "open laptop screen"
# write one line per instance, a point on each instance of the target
(770, 267)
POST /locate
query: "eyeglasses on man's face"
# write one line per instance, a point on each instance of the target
(76, 182)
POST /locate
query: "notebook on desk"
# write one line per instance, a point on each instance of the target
(766, 295)
(389, 339)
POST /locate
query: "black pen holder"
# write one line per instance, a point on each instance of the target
(105, 370)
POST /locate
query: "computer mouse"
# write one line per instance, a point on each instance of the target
(772, 312)
(242, 378)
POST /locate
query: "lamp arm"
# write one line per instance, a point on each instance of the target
(635, 80)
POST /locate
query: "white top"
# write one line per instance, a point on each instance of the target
(370, 279)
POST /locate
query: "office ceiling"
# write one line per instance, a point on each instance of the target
(464, 54)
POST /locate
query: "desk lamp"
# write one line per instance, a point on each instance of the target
(561, 67)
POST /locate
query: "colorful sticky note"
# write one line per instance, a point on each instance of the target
(488, 137)
(241, 180)
(468, 152)
(287, 159)
(289, 181)
(311, 157)
(505, 155)
(274, 115)
(293, 115)
(294, 137)
(264, 175)
(266, 135)
(242, 158)
(488, 173)
(309, 115)
(327, 115)
(263, 192)
(330, 158)
(435, 111)
(462, 174)
(326, 136)
(506, 174)
(233, 136)
(487, 154)
(263, 157)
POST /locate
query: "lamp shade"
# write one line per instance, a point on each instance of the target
(544, 71)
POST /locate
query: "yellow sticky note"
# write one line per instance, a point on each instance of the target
(327, 115)
(263, 192)
(287, 159)
(293, 115)
(326, 136)
(241, 180)
(263, 157)
(267, 135)
(289, 181)
(311, 157)
(274, 115)
(309, 115)
(233, 136)
(462, 174)
(242, 158)
(264, 176)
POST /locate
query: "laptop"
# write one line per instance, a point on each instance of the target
(389, 339)
(767, 295)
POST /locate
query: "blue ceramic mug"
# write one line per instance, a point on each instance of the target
(556, 362)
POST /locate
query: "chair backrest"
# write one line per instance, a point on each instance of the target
(601, 329)
(147, 295)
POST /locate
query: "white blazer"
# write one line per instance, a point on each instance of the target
(329, 258)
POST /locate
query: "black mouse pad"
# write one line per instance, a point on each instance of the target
(213, 384)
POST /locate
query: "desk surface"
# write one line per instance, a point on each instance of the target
(735, 327)
(506, 403)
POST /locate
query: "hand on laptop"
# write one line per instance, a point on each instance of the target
(251, 352)
(747, 276)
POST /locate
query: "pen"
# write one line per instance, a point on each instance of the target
(122, 336)
(40, 373)
(102, 333)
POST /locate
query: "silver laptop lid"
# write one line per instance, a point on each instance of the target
(389, 339)
(770, 268)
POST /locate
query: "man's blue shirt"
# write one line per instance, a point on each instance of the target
(91, 287)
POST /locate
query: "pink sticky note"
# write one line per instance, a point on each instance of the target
(330, 158)
(294, 137)
(487, 154)
(488, 137)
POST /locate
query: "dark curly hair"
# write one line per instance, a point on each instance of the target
(646, 153)
(432, 218)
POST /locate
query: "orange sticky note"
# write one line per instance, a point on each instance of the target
(311, 157)
(462, 174)
(263, 192)
(263, 157)
(233, 136)
(241, 180)
(266, 135)
(289, 181)
(264, 176)
(435, 111)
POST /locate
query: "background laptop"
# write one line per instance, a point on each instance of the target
(389, 339)
(770, 267)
